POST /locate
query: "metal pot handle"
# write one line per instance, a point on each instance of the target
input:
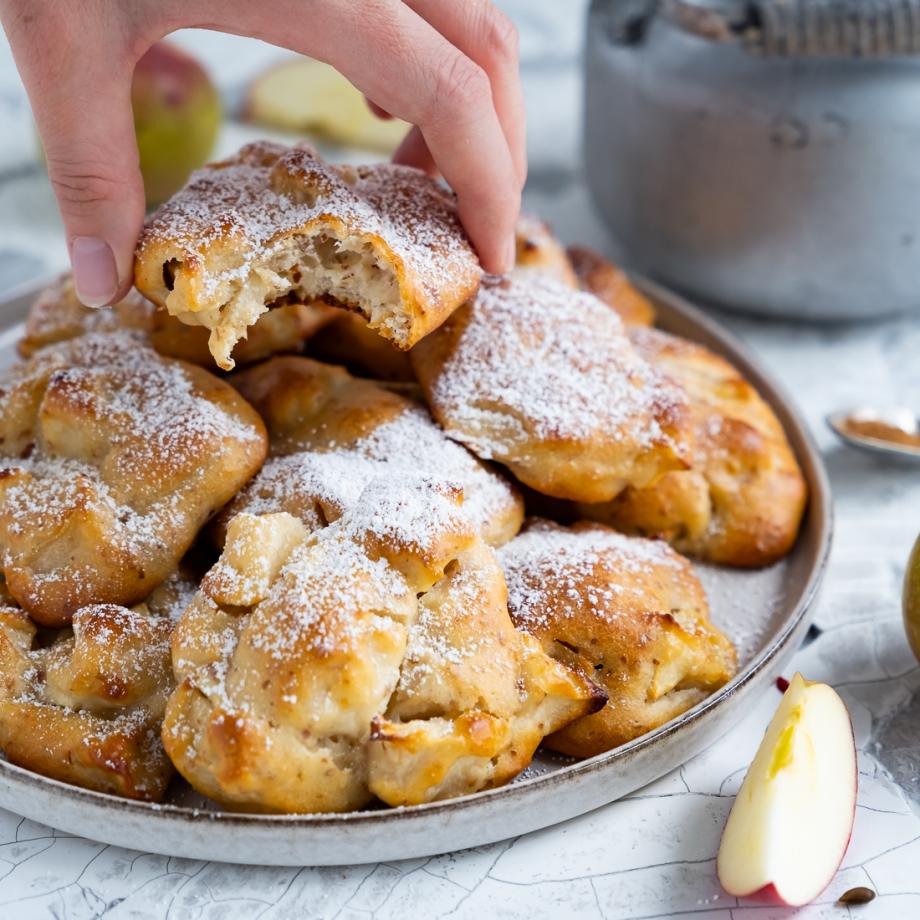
(804, 28)
(778, 28)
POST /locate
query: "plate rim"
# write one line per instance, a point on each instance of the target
(809, 456)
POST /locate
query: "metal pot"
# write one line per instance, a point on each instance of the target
(761, 155)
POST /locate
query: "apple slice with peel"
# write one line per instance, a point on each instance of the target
(306, 96)
(791, 822)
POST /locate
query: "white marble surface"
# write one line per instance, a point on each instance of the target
(652, 854)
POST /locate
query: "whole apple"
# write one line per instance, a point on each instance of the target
(177, 114)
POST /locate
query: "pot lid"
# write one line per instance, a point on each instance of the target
(782, 28)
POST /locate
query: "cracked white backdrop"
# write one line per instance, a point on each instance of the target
(651, 855)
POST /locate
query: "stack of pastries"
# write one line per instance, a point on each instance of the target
(432, 521)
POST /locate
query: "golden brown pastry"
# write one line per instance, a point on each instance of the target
(537, 250)
(374, 656)
(332, 433)
(629, 613)
(350, 341)
(86, 709)
(742, 501)
(57, 315)
(274, 221)
(111, 460)
(612, 285)
(544, 379)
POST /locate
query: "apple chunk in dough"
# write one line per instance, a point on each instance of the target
(791, 822)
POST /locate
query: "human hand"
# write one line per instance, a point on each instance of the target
(449, 68)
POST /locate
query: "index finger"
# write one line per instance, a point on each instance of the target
(407, 68)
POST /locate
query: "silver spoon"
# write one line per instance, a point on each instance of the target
(894, 432)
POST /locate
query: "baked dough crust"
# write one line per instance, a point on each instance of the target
(332, 433)
(741, 503)
(86, 709)
(57, 315)
(274, 221)
(630, 613)
(537, 250)
(544, 380)
(111, 460)
(611, 284)
(317, 670)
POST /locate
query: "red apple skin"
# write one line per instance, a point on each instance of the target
(177, 114)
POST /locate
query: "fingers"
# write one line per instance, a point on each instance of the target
(379, 112)
(488, 37)
(80, 90)
(410, 70)
(413, 151)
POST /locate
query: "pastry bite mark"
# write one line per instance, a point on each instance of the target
(741, 503)
(332, 433)
(86, 707)
(544, 380)
(274, 221)
(57, 316)
(318, 670)
(628, 612)
(111, 460)
(610, 284)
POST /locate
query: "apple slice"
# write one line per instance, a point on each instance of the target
(306, 96)
(791, 822)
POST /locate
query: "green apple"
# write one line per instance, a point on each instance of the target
(177, 114)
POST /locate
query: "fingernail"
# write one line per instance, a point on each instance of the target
(95, 276)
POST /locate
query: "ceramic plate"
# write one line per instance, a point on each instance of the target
(765, 612)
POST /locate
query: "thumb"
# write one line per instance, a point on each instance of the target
(77, 70)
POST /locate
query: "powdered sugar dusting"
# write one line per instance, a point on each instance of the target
(548, 562)
(268, 191)
(537, 360)
(401, 448)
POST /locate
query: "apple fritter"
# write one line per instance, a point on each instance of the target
(627, 612)
(332, 433)
(111, 460)
(545, 380)
(537, 250)
(274, 221)
(741, 502)
(611, 284)
(57, 315)
(86, 707)
(372, 657)
(350, 341)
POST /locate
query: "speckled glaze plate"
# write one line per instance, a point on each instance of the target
(765, 612)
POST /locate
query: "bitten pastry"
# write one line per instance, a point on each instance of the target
(86, 709)
(57, 315)
(273, 221)
(742, 501)
(628, 612)
(111, 460)
(373, 657)
(544, 380)
(332, 433)
(612, 285)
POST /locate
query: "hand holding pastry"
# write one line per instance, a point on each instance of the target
(448, 68)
